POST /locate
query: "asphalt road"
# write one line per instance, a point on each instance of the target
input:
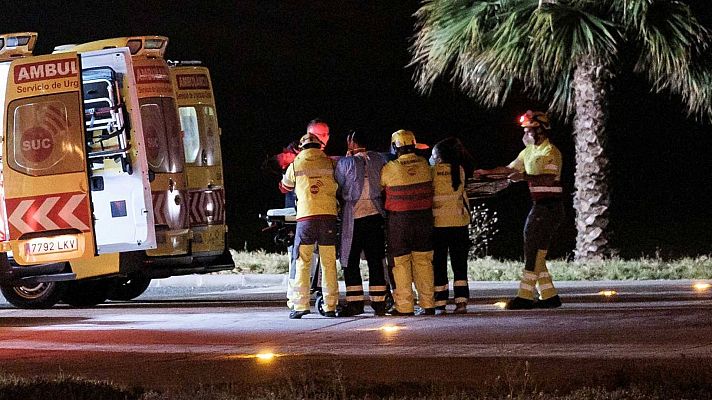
(176, 336)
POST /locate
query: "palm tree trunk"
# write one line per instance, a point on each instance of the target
(592, 199)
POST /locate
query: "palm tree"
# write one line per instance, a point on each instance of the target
(565, 53)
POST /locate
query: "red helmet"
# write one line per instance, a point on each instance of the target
(534, 119)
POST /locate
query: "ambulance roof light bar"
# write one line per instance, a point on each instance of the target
(149, 46)
(14, 45)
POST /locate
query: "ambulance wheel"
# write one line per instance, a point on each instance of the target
(389, 300)
(129, 287)
(42, 295)
(87, 293)
(320, 303)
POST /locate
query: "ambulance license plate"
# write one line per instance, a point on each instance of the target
(56, 244)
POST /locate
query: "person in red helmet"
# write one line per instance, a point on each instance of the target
(539, 164)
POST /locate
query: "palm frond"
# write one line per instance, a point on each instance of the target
(446, 30)
(673, 45)
(488, 75)
(489, 46)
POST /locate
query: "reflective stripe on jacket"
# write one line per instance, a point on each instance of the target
(311, 176)
(450, 207)
(542, 159)
(408, 184)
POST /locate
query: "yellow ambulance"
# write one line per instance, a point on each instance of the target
(75, 185)
(203, 157)
(166, 161)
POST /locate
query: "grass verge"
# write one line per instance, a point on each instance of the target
(489, 269)
(71, 388)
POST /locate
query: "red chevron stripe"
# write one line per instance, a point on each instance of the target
(158, 208)
(31, 217)
(199, 200)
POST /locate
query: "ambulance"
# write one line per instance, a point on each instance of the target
(204, 171)
(166, 161)
(75, 198)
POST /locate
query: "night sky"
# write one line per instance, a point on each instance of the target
(277, 64)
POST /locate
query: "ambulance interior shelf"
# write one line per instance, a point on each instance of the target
(104, 118)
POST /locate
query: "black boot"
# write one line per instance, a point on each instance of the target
(425, 311)
(298, 314)
(351, 310)
(519, 303)
(379, 308)
(394, 312)
(551, 302)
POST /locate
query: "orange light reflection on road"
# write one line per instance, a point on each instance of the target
(265, 357)
(390, 328)
(608, 293)
(500, 304)
(701, 286)
(262, 358)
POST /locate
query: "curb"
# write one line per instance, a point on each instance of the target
(231, 281)
(248, 281)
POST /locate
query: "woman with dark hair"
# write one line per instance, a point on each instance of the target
(451, 218)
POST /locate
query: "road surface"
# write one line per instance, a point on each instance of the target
(177, 337)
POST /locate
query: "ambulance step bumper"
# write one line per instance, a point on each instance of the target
(33, 280)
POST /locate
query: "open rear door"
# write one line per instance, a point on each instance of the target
(45, 162)
(118, 168)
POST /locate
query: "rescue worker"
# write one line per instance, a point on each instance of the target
(408, 186)
(451, 220)
(311, 177)
(317, 127)
(320, 129)
(358, 175)
(539, 164)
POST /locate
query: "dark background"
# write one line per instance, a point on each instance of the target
(277, 64)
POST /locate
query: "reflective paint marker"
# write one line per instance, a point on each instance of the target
(701, 286)
(265, 357)
(390, 328)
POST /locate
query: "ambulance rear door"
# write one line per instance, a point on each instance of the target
(45, 163)
(118, 168)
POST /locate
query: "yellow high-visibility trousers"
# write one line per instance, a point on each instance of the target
(526, 285)
(300, 294)
(423, 278)
(416, 267)
(543, 281)
(403, 275)
(329, 284)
